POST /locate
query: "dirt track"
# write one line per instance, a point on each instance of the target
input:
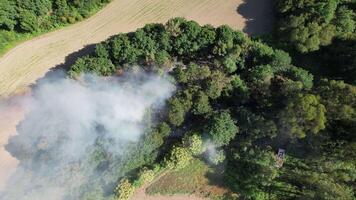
(29, 61)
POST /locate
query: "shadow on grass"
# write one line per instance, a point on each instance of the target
(59, 71)
(258, 14)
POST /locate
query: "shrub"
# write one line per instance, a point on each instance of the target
(145, 176)
(194, 143)
(124, 190)
(178, 158)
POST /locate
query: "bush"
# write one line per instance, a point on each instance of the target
(179, 158)
(145, 176)
(222, 128)
(194, 143)
(124, 190)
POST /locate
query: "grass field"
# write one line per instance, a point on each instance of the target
(196, 178)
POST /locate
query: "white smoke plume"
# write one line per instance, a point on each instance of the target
(213, 154)
(67, 118)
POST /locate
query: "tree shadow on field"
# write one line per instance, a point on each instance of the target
(258, 14)
(59, 71)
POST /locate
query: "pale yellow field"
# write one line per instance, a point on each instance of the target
(29, 61)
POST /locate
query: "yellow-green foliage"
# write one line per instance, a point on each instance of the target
(145, 176)
(179, 158)
(124, 190)
(194, 143)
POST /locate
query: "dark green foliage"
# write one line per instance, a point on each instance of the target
(225, 41)
(215, 84)
(28, 22)
(201, 104)
(22, 19)
(41, 15)
(309, 24)
(224, 79)
(302, 115)
(8, 15)
(300, 75)
(337, 61)
(222, 128)
(178, 107)
(101, 65)
(252, 172)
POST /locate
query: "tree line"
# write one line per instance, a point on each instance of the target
(36, 15)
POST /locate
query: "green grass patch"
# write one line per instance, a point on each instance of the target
(9, 39)
(197, 178)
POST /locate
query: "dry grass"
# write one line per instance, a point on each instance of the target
(197, 178)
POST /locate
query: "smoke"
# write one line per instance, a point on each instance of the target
(213, 155)
(78, 130)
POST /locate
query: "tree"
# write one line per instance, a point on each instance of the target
(222, 128)
(101, 51)
(155, 139)
(101, 66)
(194, 143)
(229, 64)
(28, 21)
(215, 84)
(178, 107)
(216, 157)
(193, 72)
(201, 104)
(261, 75)
(339, 99)
(186, 42)
(8, 15)
(224, 40)
(251, 173)
(124, 190)
(206, 36)
(299, 75)
(179, 158)
(304, 114)
(345, 20)
(121, 50)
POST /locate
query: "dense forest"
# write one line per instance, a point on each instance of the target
(320, 35)
(308, 25)
(241, 96)
(18, 17)
(238, 95)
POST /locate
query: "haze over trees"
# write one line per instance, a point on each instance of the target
(248, 100)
